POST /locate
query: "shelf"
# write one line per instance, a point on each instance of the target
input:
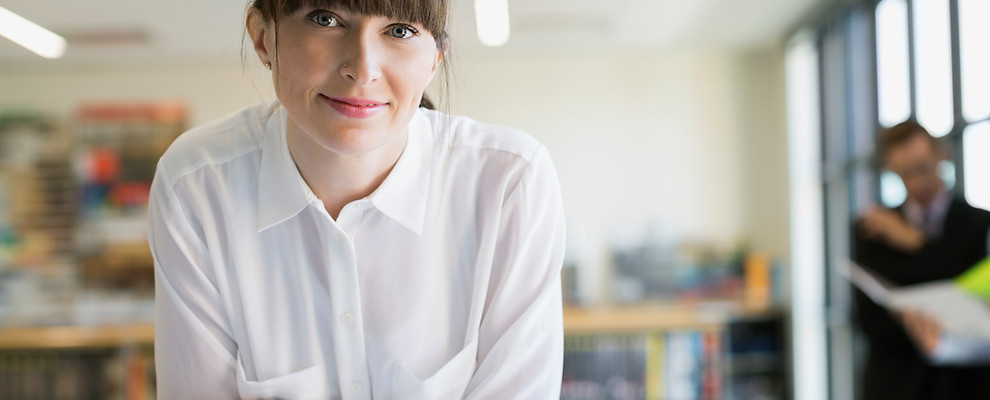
(593, 320)
(652, 317)
(74, 337)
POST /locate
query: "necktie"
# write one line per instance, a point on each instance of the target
(929, 224)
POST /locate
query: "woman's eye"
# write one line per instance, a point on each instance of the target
(401, 31)
(326, 19)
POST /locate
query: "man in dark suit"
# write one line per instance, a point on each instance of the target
(933, 236)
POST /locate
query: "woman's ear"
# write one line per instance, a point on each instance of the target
(257, 27)
(438, 61)
(442, 48)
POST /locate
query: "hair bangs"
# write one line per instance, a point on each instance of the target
(430, 14)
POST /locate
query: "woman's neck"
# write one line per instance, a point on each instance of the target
(338, 179)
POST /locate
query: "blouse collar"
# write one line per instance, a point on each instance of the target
(402, 196)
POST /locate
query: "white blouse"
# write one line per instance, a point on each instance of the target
(442, 284)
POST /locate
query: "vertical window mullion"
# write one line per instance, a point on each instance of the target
(912, 68)
(956, 137)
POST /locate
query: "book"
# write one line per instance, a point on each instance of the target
(956, 309)
(684, 365)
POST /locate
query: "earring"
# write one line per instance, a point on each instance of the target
(268, 66)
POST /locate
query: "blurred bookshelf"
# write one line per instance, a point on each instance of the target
(687, 321)
(76, 362)
(76, 274)
(88, 372)
(723, 349)
(73, 200)
(117, 147)
(702, 350)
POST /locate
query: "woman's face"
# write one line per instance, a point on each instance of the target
(350, 82)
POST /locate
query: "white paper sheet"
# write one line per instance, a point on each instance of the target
(959, 313)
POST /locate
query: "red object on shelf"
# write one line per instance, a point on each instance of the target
(137, 377)
(711, 384)
(102, 166)
(130, 194)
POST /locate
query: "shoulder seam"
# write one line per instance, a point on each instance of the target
(203, 164)
(228, 126)
(526, 157)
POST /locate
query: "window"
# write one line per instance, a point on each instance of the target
(892, 62)
(933, 60)
(892, 190)
(922, 55)
(976, 145)
(974, 61)
(947, 171)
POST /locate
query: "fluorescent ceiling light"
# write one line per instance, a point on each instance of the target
(43, 42)
(493, 21)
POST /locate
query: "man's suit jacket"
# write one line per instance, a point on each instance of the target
(895, 369)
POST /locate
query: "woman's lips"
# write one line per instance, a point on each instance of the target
(354, 108)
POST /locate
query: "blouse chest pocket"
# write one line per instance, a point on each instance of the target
(308, 383)
(449, 382)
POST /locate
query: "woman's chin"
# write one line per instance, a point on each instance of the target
(352, 143)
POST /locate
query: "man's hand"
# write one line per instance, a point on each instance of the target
(925, 330)
(889, 227)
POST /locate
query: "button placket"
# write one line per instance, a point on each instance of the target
(348, 334)
(350, 216)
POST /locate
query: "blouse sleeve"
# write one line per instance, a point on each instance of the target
(194, 347)
(520, 352)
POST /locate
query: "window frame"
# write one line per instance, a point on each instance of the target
(843, 195)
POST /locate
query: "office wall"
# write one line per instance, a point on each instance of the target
(210, 89)
(635, 137)
(761, 101)
(692, 139)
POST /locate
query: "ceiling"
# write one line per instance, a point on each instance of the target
(105, 32)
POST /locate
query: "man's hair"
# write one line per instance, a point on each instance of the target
(901, 133)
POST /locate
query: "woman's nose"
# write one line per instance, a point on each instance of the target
(361, 63)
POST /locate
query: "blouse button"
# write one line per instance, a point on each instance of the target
(355, 386)
(346, 318)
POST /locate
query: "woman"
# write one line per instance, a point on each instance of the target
(342, 242)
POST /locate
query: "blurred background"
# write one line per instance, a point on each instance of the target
(712, 155)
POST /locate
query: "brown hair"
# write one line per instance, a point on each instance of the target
(431, 14)
(901, 133)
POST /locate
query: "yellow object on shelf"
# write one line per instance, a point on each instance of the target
(757, 280)
(654, 366)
